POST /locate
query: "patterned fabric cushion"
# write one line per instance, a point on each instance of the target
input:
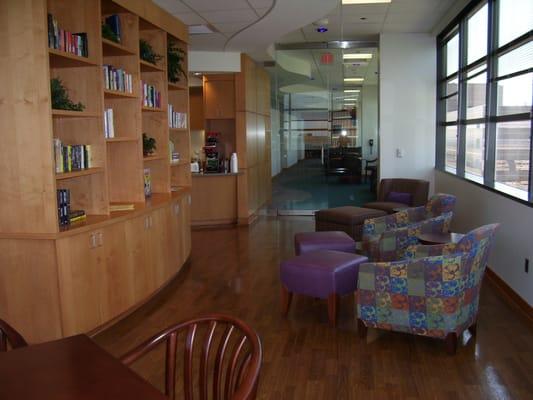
(430, 296)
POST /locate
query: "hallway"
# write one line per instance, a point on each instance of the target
(305, 187)
(235, 271)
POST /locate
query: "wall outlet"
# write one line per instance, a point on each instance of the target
(526, 265)
(399, 153)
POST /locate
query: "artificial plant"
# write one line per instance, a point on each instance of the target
(149, 144)
(107, 33)
(175, 58)
(60, 99)
(147, 52)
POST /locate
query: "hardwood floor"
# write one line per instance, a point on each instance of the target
(235, 270)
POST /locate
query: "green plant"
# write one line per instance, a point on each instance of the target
(147, 52)
(175, 58)
(107, 33)
(149, 145)
(60, 99)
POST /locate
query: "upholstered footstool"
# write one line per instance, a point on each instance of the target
(347, 219)
(325, 274)
(304, 242)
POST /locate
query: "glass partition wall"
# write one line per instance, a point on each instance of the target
(325, 126)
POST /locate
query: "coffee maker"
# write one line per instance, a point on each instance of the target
(212, 153)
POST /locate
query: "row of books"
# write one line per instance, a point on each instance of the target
(66, 216)
(117, 79)
(176, 119)
(60, 39)
(151, 96)
(109, 126)
(72, 157)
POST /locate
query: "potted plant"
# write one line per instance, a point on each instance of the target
(149, 145)
(147, 52)
(60, 99)
(175, 58)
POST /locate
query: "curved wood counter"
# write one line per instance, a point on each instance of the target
(75, 281)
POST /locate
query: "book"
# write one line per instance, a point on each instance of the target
(151, 97)
(176, 120)
(70, 158)
(63, 206)
(60, 39)
(121, 207)
(147, 182)
(109, 127)
(113, 21)
(117, 79)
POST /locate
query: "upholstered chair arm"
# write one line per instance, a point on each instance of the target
(421, 250)
(376, 226)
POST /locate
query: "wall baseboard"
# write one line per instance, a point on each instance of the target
(512, 298)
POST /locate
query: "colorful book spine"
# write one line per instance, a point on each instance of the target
(176, 119)
(63, 206)
(117, 79)
(109, 126)
(151, 97)
(74, 43)
(113, 21)
(72, 157)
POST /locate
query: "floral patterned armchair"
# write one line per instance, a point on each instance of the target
(386, 238)
(433, 292)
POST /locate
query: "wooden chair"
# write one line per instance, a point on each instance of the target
(8, 335)
(233, 373)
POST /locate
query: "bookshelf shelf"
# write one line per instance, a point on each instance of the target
(62, 59)
(74, 114)
(76, 174)
(177, 86)
(111, 48)
(152, 109)
(153, 158)
(121, 140)
(119, 94)
(148, 67)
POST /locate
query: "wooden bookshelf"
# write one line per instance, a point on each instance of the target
(76, 261)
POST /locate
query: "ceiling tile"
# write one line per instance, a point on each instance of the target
(190, 18)
(261, 3)
(213, 41)
(210, 5)
(227, 16)
(231, 27)
(173, 6)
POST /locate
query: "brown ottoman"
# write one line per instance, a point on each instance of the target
(347, 219)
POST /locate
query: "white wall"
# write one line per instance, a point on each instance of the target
(214, 61)
(369, 120)
(407, 105)
(477, 206)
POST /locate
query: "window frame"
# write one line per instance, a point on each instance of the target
(490, 60)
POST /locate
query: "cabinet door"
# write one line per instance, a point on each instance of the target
(175, 249)
(138, 256)
(159, 245)
(219, 99)
(81, 278)
(118, 293)
(185, 227)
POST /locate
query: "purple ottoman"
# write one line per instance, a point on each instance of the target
(326, 274)
(305, 242)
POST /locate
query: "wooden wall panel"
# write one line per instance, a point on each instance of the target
(26, 156)
(214, 200)
(197, 108)
(29, 295)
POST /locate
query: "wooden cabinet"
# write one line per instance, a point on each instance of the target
(219, 97)
(185, 227)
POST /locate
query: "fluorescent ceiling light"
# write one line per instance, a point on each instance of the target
(351, 99)
(365, 1)
(351, 90)
(354, 79)
(350, 104)
(357, 56)
(201, 29)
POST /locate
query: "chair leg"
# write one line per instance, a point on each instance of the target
(451, 343)
(333, 308)
(361, 328)
(286, 298)
(473, 329)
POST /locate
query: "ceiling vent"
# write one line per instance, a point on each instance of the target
(203, 29)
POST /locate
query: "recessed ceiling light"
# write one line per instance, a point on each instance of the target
(365, 1)
(351, 91)
(202, 29)
(354, 79)
(357, 56)
(349, 104)
(351, 99)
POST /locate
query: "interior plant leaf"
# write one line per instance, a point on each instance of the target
(147, 52)
(60, 98)
(107, 33)
(175, 58)
(149, 144)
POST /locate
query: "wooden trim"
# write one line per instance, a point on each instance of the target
(512, 298)
(217, 224)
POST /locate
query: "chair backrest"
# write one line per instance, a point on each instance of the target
(9, 336)
(439, 204)
(418, 188)
(227, 352)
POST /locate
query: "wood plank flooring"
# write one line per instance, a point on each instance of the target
(235, 270)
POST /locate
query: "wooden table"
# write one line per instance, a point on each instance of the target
(439, 238)
(70, 368)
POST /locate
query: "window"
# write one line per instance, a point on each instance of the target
(485, 92)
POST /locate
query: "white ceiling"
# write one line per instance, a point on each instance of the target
(401, 16)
